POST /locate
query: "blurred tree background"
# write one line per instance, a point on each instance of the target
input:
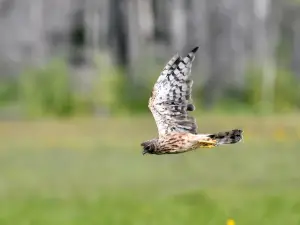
(69, 57)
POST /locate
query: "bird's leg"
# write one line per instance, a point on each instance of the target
(210, 143)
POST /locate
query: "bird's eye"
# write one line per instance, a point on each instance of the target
(148, 148)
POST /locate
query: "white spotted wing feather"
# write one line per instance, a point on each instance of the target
(171, 96)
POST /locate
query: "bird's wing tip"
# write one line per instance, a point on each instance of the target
(195, 49)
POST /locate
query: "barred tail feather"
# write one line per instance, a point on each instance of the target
(227, 137)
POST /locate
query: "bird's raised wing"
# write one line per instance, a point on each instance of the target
(171, 96)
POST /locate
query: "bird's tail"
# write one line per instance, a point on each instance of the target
(227, 137)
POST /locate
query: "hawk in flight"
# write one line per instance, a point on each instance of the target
(170, 103)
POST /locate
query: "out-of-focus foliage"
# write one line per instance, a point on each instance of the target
(49, 91)
(287, 92)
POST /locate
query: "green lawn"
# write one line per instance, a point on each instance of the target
(84, 171)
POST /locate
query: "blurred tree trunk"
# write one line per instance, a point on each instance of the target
(125, 35)
(161, 15)
(239, 24)
(92, 21)
(134, 38)
(36, 27)
(296, 47)
(292, 24)
(197, 35)
(219, 52)
(103, 22)
(77, 35)
(265, 39)
(117, 35)
(178, 25)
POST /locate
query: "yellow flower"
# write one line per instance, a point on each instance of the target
(230, 222)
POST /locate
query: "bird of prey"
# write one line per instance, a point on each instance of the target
(170, 103)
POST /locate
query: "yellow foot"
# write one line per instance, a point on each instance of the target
(207, 144)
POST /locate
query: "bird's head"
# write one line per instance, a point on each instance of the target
(149, 147)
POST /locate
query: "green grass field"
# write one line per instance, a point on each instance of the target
(84, 171)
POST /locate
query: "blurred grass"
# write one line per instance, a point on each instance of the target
(91, 171)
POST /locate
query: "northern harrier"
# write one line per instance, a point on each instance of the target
(169, 103)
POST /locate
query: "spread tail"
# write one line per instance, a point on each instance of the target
(227, 137)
